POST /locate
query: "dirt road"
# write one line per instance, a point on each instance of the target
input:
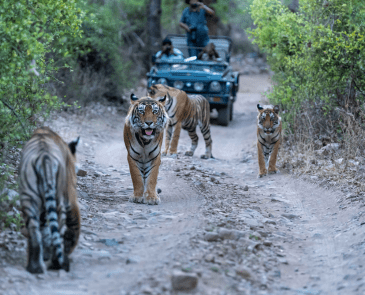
(218, 225)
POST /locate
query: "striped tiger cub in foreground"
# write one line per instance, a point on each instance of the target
(47, 183)
(143, 135)
(186, 112)
(268, 138)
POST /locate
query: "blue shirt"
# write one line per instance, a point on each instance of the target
(196, 19)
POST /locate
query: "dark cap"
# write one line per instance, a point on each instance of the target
(166, 41)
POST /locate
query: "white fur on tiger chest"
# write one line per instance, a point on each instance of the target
(269, 138)
(143, 154)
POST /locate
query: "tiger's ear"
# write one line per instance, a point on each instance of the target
(133, 98)
(276, 109)
(73, 144)
(163, 100)
(259, 107)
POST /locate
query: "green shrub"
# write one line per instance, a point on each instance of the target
(29, 30)
(317, 54)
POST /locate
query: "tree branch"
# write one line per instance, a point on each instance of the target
(15, 114)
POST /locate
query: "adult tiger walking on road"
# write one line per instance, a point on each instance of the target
(186, 112)
(143, 135)
(47, 183)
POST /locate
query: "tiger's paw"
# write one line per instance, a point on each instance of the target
(36, 268)
(136, 199)
(174, 155)
(274, 171)
(205, 157)
(164, 154)
(151, 199)
(189, 153)
(262, 174)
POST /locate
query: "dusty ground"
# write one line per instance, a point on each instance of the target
(218, 223)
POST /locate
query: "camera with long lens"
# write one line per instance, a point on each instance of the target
(193, 33)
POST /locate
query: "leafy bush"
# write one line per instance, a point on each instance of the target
(317, 55)
(29, 29)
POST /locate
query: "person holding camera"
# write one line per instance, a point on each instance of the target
(168, 52)
(194, 22)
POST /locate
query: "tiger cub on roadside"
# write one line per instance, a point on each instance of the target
(143, 135)
(268, 138)
(186, 112)
(47, 183)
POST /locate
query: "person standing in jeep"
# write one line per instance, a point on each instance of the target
(194, 22)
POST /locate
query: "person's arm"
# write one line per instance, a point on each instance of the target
(183, 21)
(206, 8)
(159, 54)
(184, 26)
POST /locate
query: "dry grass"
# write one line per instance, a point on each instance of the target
(334, 157)
(81, 84)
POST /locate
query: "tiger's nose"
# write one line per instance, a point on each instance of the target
(149, 123)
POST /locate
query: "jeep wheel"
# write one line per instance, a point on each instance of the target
(224, 115)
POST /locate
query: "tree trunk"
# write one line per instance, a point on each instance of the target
(212, 21)
(294, 6)
(154, 25)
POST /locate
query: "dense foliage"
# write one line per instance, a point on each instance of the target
(29, 30)
(317, 54)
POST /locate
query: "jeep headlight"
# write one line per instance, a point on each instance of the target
(198, 86)
(179, 84)
(162, 81)
(215, 86)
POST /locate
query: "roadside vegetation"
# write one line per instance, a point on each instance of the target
(318, 57)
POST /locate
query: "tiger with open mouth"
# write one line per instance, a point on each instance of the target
(143, 135)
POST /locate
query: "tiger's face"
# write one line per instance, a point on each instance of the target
(148, 117)
(268, 118)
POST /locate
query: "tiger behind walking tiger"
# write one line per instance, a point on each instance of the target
(186, 112)
(47, 183)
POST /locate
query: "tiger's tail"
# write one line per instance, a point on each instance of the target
(47, 168)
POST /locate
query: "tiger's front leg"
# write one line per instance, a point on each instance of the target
(167, 139)
(175, 138)
(262, 166)
(150, 196)
(137, 196)
(273, 158)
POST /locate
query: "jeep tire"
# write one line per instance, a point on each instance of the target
(231, 112)
(224, 114)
